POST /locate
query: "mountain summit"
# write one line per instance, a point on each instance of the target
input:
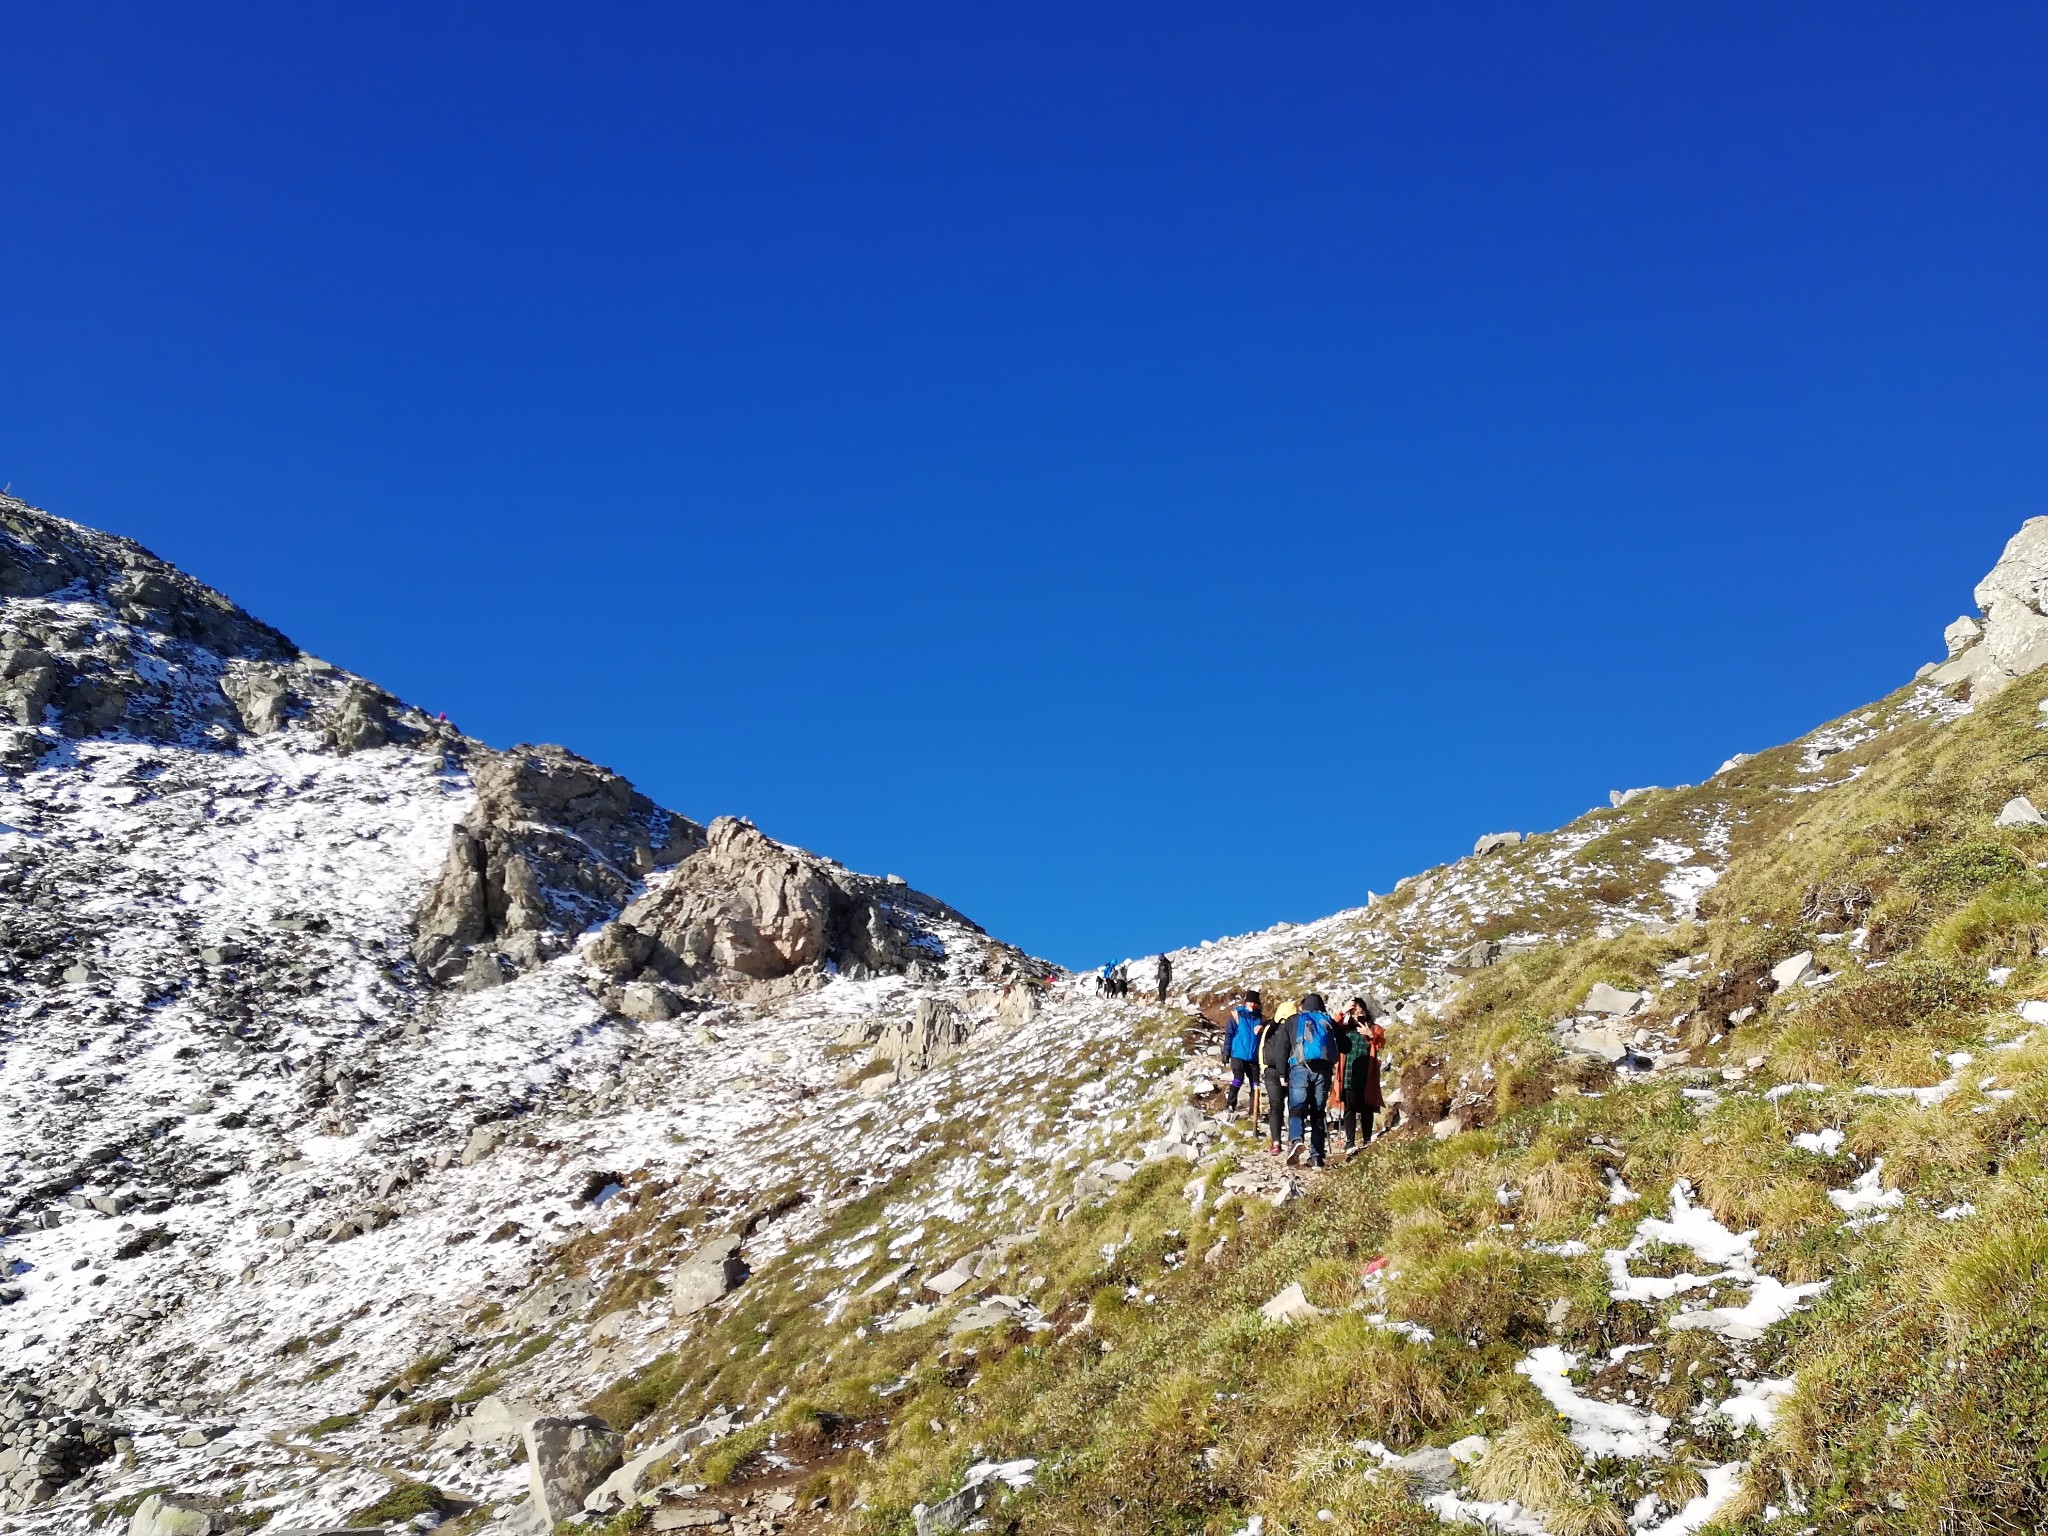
(403, 1133)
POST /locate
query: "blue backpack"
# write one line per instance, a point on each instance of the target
(1244, 1033)
(1311, 1037)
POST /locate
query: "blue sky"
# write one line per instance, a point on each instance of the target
(1139, 472)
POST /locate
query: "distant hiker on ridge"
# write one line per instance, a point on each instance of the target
(1311, 1035)
(1163, 974)
(1241, 1047)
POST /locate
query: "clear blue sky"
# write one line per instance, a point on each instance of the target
(1140, 472)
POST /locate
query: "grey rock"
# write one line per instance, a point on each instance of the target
(1620, 797)
(1605, 999)
(623, 1486)
(648, 1002)
(169, 1515)
(949, 1514)
(934, 1033)
(710, 1273)
(1790, 972)
(361, 720)
(1494, 842)
(260, 695)
(485, 1140)
(2012, 601)
(1476, 956)
(554, 846)
(1961, 635)
(688, 1517)
(566, 1457)
(2019, 811)
(1290, 1305)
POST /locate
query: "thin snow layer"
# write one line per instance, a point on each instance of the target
(1826, 1142)
(1867, 1193)
(1505, 1516)
(1598, 1429)
(1756, 1404)
(1694, 1227)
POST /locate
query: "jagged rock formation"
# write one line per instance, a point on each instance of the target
(745, 915)
(2009, 637)
(553, 845)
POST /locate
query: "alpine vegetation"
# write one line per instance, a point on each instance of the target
(402, 1133)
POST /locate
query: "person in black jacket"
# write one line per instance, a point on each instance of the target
(1276, 1044)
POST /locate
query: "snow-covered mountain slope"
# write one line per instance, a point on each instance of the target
(375, 1106)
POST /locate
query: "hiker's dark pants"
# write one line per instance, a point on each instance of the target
(1242, 1070)
(1357, 1126)
(1275, 1083)
(1308, 1092)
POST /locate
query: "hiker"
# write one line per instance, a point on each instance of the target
(1163, 974)
(1362, 1041)
(1241, 1047)
(1312, 1043)
(1275, 1046)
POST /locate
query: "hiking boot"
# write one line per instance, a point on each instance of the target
(1316, 1162)
(1294, 1151)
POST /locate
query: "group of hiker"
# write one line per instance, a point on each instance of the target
(1115, 980)
(1311, 1062)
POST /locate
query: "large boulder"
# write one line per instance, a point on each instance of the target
(168, 1515)
(566, 1458)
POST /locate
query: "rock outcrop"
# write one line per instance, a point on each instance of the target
(555, 844)
(747, 916)
(2009, 639)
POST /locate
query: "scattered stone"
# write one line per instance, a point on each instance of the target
(1493, 842)
(1291, 1305)
(1790, 972)
(566, 1458)
(949, 1514)
(1617, 798)
(2019, 811)
(688, 1517)
(169, 1515)
(623, 1486)
(1476, 956)
(1607, 1000)
(713, 1271)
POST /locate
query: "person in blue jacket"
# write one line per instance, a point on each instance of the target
(1313, 1038)
(1241, 1047)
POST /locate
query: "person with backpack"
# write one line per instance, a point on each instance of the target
(1274, 1047)
(1163, 974)
(1241, 1047)
(1362, 1042)
(1312, 1042)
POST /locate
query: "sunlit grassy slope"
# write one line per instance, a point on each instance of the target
(1908, 1390)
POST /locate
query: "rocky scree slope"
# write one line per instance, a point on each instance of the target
(310, 1004)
